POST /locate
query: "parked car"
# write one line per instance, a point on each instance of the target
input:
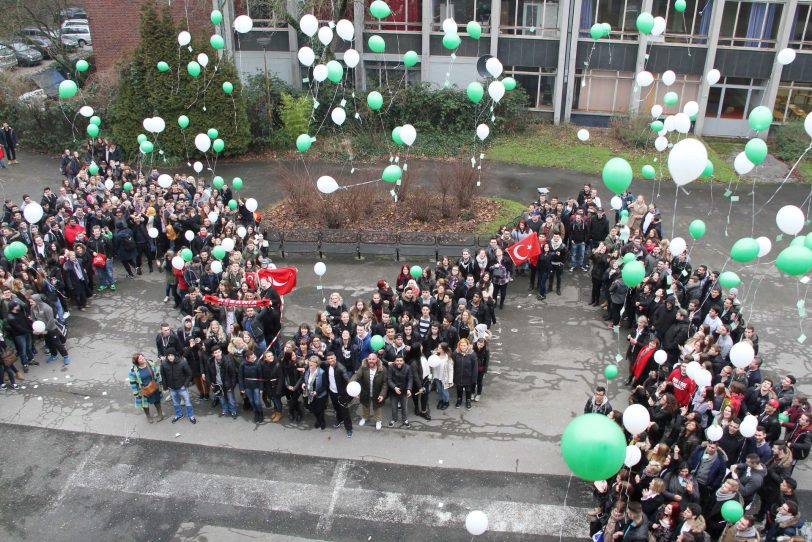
(79, 33)
(73, 13)
(74, 22)
(43, 42)
(26, 55)
(7, 57)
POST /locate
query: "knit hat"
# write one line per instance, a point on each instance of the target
(170, 352)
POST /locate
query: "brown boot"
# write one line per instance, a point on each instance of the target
(146, 412)
(160, 412)
(276, 416)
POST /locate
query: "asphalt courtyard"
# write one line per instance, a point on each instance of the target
(80, 459)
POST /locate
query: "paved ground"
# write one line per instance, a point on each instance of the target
(546, 357)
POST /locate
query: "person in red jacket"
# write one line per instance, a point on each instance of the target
(684, 386)
(72, 228)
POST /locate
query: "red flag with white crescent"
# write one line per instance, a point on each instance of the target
(283, 278)
(526, 249)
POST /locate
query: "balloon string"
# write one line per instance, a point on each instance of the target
(566, 494)
(674, 218)
(798, 161)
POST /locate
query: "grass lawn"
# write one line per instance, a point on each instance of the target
(804, 171)
(548, 145)
(508, 212)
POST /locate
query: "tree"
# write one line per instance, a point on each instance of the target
(45, 16)
(145, 92)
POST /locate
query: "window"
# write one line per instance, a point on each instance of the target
(734, 97)
(390, 75)
(750, 24)
(792, 101)
(530, 18)
(537, 82)
(407, 16)
(620, 14)
(686, 87)
(603, 90)
(800, 36)
(690, 26)
(461, 11)
(263, 13)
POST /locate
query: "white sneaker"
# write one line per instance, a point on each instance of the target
(66, 315)
(362, 421)
(166, 299)
(476, 398)
(378, 426)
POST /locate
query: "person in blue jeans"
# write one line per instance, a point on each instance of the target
(251, 384)
(176, 375)
(18, 326)
(222, 375)
(578, 235)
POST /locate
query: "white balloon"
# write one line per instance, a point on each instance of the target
(668, 78)
(243, 24)
(86, 111)
(476, 522)
(677, 246)
(790, 219)
(644, 78)
(616, 203)
(670, 123)
(408, 134)
(309, 24)
(660, 357)
(496, 90)
(33, 212)
(434, 361)
(808, 125)
(703, 378)
(687, 161)
(354, 389)
(241, 231)
(682, 123)
(213, 216)
(482, 131)
(147, 124)
(663, 132)
(636, 419)
(326, 184)
(320, 269)
(325, 35)
(714, 432)
(748, 426)
(713, 76)
(158, 125)
(202, 142)
(184, 38)
(345, 30)
(216, 266)
(164, 180)
(203, 59)
(659, 26)
(785, 56)
(742, 164)
(306, 56)
(177, 262)
(764, 246)
(656, 110)
(108, 184)
(153, 232)
(494, 67)
(742, 354)
(633, 455)
(338, 115)
(690, 108)
(320, 72)
(189, 235)
(661, 143)
(251, 204)
(227, 244)
(450, 27)
(38, 327)
(583, 134)
(351, 58)
(197, 166)
(693, 369)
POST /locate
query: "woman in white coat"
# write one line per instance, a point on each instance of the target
(443, 374)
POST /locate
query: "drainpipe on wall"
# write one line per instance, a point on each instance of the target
(571, 54)
(642, 45)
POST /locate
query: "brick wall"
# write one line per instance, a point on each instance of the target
(114, 25)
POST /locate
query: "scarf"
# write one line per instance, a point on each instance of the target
(482, 262)
(722, 497)
(749, 533)
(556, 245)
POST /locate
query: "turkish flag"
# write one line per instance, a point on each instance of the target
(526, 249)
(283, 278)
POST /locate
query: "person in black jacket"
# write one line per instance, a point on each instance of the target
(465, 372)
(337, 380)
(483, 355)
(166, 340)
(221, 374)
(141, 238)
(598, 226)
(600, 263)
(400, 388)
(9, 140)
(176, 375)
(559, 256)
(18, 327)
(273, 384)
(251, 384)
(191, 339)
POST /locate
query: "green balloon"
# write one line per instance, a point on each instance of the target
(610, 372)
(232, 204)
(212, 133)
(92, 130)
(593, 447)
(67, 89)
(334, 71)
(645, 22)
(415, 271)
(392, 173)
(376, 342)
(624, 213)
(798, 242)
(376, 44)
(216, 17)
(708, 171)
(379, 9)
(783, 417)
(648, 172)
(756, 150)
(633, 273)
(218, 252)
(794, 260)
(147, 147)
(475, 91)
(15, 250)
(729, 279)
(596, 31)
(657, 126)
(509, 83)
(218, 182)
(95, 120)
(670, 98)
(680, 6)
(303, 142)
(396, 136)
(607, 29)
(217, 42)
(93, 169)
(128, 187)
(228, 88)
(218, 145)
(82, 65)
(186, 254)
(760, 118)
(162, 66)
(744, 250)
(629, 257)
(183, 121)
(236, 183)
(732, 510)
(617, 175)
(474, 29)
(374, 100)
(141, 138)
(410, 58)
(697, 229)
(451, 41)
(193, 68)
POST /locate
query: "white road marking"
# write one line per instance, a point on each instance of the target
(336, 485)
(76, 475)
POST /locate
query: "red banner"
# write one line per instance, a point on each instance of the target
(526, 249)
(228, 302)
(283, 278)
